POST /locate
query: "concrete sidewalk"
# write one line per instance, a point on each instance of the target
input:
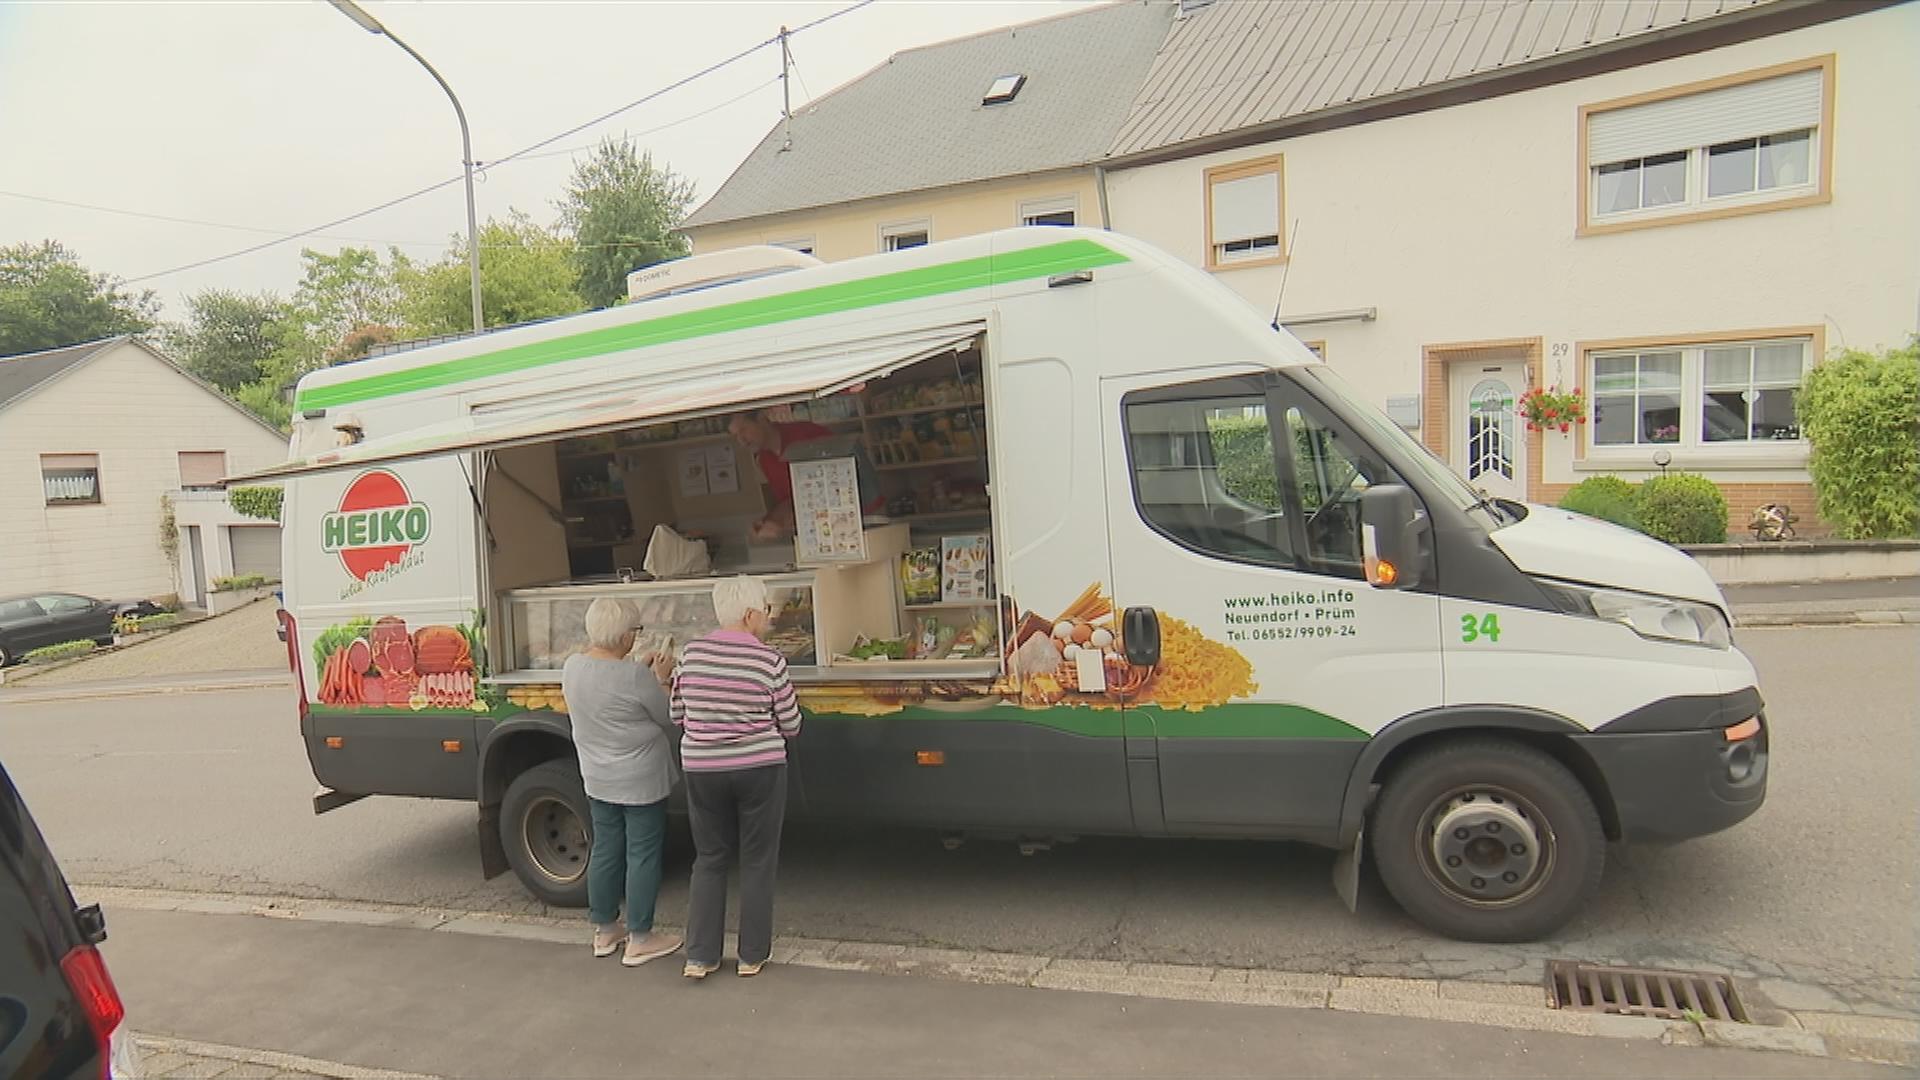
(461, 1005)
(1879, 600)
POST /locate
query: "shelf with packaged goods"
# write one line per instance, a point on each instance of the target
(922, 410)
(953, 605)
(902, 466)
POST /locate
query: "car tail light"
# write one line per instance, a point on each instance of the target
(86, 973)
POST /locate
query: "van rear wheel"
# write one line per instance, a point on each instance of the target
(1487, 840)
(547, 829)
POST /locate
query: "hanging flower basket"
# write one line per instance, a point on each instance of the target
(1550, 408)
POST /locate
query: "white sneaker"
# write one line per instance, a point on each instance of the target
(651, 947)
(608, 939)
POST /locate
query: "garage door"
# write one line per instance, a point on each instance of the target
(256, 549)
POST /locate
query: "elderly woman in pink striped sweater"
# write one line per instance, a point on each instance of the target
(736, 709)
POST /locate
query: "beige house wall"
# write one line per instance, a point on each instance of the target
(851, 230)
(137, 413)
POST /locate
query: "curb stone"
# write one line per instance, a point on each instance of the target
(1514, 1006)
(167, 1058)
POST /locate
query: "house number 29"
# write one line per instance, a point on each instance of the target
(1475, 627)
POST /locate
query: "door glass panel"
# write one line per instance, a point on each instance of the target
(1203, 475)
(1332, 470)
(1489, 430)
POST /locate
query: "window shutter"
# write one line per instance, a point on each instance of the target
(1246, 208)
(1784, 103)
(202, 468)
(69, 461)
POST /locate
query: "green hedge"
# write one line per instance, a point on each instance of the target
(240, 581)
(1680, 508)
(257, 502)
(1608, 498)
(1861, 413)
(59, 652)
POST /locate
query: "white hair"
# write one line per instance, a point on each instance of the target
(735, 596)
(608, 623)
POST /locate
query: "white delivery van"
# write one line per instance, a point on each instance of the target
(1080, 545)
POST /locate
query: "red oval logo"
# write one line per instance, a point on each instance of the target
(377, 523)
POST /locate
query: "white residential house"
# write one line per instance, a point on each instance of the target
(1677, 207)
(96, 442)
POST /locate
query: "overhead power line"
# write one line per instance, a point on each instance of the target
(203, 223)
(517, 154)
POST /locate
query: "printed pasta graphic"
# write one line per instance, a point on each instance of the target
(1077, 658)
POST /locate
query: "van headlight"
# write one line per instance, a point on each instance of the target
(1657, 618)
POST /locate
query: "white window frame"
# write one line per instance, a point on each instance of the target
(894, 230)
(1697, 205)
(70, 464)
(1262, 254)
(1692, 447)
(1060, 204)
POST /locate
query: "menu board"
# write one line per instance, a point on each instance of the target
(826, 512)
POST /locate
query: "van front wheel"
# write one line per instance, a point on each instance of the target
(546, 827)
(1488, 840)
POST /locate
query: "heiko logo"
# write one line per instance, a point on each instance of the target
(377, 525)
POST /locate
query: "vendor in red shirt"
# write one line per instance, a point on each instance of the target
(768, 441)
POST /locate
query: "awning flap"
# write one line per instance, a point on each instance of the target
(649, 397)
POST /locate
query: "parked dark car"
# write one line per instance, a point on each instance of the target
(59, 1012)
(35, 620)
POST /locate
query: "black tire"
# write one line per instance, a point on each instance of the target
(6, 655)
(103, 642)
(547, 829)
(1490, 887)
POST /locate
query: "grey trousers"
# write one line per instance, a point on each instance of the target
(734, 812)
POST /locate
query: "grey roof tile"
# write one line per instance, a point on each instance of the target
(22, 373)
(916, 122)
(1244, 63)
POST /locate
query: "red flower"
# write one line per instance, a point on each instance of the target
(1564, 428)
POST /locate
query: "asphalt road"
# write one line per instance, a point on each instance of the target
(1814, 896)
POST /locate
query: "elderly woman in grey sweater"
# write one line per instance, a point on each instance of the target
(624, 737)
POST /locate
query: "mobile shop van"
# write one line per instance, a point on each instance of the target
(1084, 546)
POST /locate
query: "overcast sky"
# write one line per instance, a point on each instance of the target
(279, 116)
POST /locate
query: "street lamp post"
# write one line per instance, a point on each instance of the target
(373, 26)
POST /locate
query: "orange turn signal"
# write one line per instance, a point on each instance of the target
(1385, 573)
(451, 746)
(335, 742)
(930, 757)
(1744, 730)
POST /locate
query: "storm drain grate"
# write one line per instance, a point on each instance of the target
(1669, 995)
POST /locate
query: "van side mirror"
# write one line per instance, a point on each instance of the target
(1390, 536)
(1140, 633)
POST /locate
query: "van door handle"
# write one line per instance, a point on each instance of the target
(1140, 633)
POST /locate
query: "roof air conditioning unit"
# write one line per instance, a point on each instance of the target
(710, 271)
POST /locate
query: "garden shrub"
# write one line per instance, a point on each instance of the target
(59, 652)
(1861, 412)
(1681, 508)
(257, 502)
(239, 581)
(1608, 498)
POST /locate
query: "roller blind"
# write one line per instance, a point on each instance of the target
(1246, 208)
(1784, 103)
(202, 468)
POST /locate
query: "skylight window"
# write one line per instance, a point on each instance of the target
(1003, 89)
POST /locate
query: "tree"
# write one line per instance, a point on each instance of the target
(621, 209)
(338, 295)
(263, 399)
(230, 338)
(526, 272)
(48, 299)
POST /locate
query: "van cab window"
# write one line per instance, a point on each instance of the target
(1331, 470)
(1204, 472)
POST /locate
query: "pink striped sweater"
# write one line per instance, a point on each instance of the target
(734, 703)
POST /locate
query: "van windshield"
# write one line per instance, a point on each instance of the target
(1443, 481)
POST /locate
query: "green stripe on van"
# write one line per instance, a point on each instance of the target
(1065, 257)
(1240, 720)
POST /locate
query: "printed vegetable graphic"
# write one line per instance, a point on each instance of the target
(379, 664)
